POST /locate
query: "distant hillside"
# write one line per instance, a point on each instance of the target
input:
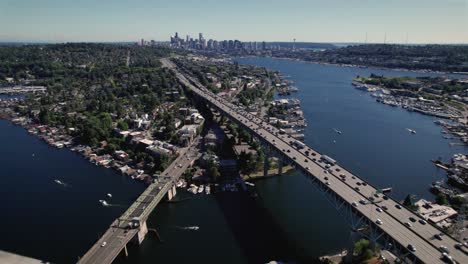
(448, 58)
(304, 45)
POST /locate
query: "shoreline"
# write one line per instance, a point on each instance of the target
(351, 65)
(405, 103)
(60, 140)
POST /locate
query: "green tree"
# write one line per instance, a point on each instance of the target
(247, 163)
(44, 116)
(441, 199)
(409, 202)
(457, 202)
(363, 250)
(214, 173)
(123, 125)
(110, 148)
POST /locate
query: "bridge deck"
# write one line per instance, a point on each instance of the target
(393, 219)
(118, 234)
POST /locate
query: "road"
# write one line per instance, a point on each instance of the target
(343, 183)
(119, 233)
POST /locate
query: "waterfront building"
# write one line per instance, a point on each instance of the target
(440, 215)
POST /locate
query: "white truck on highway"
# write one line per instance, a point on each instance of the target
(299, 144)
(328, 160)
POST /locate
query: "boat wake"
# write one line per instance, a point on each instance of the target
(192, 228)
(337, 131)
(59, 182)
(106, 204)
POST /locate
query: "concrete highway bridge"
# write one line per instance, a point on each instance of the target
(131, 226)
(370, 213)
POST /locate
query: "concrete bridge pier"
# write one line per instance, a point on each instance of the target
(172, 192)
(265, 165)
(280, 166)
(140, 236)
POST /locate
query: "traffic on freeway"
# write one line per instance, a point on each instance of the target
(422, 239)
(125, 228)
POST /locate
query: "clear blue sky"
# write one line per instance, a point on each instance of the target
(424, 21)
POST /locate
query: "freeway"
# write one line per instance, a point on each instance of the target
(398, 222)
(114, 240)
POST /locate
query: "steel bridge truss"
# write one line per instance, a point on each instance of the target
(356, 221)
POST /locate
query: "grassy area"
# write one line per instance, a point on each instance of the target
(458, 105)
(271, 172)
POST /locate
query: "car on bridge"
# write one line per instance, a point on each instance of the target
(444, 249)
(411, 248)
(447, 258)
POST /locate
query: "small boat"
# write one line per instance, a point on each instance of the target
(109, 195)
(412, 131)
(191, 228)
(207, 189)
(200, 189)
(58, 182)
(250, 184)
(193, 189)
(337, 131)
(103, 202)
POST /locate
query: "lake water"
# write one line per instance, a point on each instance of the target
(46, 220)
(289, 220)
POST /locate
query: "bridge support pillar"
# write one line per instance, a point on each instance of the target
(265, 165)
(280, 166)
(125, 250)
(171, 193)
(142, 231)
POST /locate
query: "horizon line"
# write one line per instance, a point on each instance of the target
(274, 41)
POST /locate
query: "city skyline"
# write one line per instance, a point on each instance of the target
(336, 21)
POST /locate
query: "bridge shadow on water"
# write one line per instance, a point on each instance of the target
(258, 234)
